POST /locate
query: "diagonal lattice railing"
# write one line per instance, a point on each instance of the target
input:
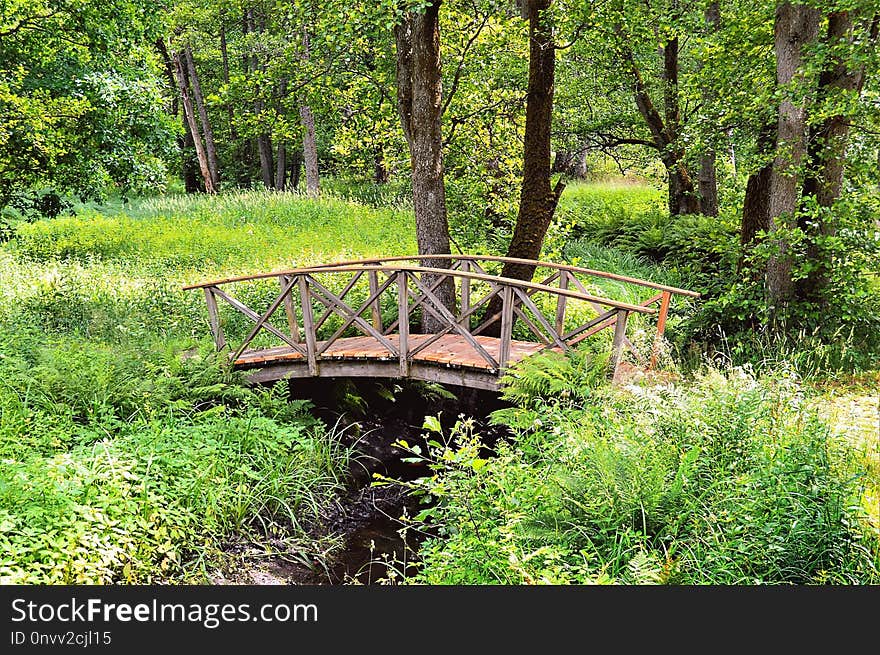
(412, 288)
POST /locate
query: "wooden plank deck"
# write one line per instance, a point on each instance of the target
(449, 350)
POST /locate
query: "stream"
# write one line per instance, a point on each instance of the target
(374, 414)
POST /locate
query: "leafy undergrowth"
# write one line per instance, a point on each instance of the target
(127, 454)
(122, 468)
(723, 479)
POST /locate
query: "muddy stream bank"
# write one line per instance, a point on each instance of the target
(369, 416)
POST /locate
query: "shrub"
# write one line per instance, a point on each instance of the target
(726, 481)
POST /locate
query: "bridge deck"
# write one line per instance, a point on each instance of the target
(449, 350)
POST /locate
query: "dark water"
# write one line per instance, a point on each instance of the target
(377, 547)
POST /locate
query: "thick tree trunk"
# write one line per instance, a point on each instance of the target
(420, 107)
(683, 198)
(210, 147)
(181, 75)
(538, 199)
(796, 26)
(310, 151)
(826, 150)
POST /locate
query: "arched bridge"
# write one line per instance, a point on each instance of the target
(360, 318)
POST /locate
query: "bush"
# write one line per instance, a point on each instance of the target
(727, 481)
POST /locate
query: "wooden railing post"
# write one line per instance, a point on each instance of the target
(619, 335)
(506, 326)
(661, 326)
(403, 322)
(308, 323)
(465, 295)
(214, 319)
(375, 306)
(284, 283)
(560, 302)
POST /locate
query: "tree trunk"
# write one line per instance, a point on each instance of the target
(190, 168)
(708, 184)
(310, 143)
(707, 178)
(795, 26)
(756, 205)
(168, 69)
(295, 168)
(538, 199)
(381, 174)
(310, 151)
(683, 198)
(419, 103)
(181, 75)
(267, 167)
(210, 148)
(281, 168)
(826, 150)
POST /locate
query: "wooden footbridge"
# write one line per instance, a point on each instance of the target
(344, 319)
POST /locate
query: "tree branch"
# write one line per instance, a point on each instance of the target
(458, 71)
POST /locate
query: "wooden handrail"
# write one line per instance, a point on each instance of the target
(529, 262)
(493, 279)
(510, 299)
(512, 260)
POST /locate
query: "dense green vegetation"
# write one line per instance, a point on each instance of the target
(147, 462)
(725, 479)
(730, 148)
(121, 460)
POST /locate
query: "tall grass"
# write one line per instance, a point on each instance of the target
(123, 460)
(725, 480)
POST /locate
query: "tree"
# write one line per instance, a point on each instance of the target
(182, 76)
(839, 87)
(796, 27)
(419, 95)
(538, 199)
(80, 103)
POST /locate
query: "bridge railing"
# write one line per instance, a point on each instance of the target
(566, 276)
(415, 289)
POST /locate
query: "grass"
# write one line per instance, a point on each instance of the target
(723, 479)
(123, 461)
